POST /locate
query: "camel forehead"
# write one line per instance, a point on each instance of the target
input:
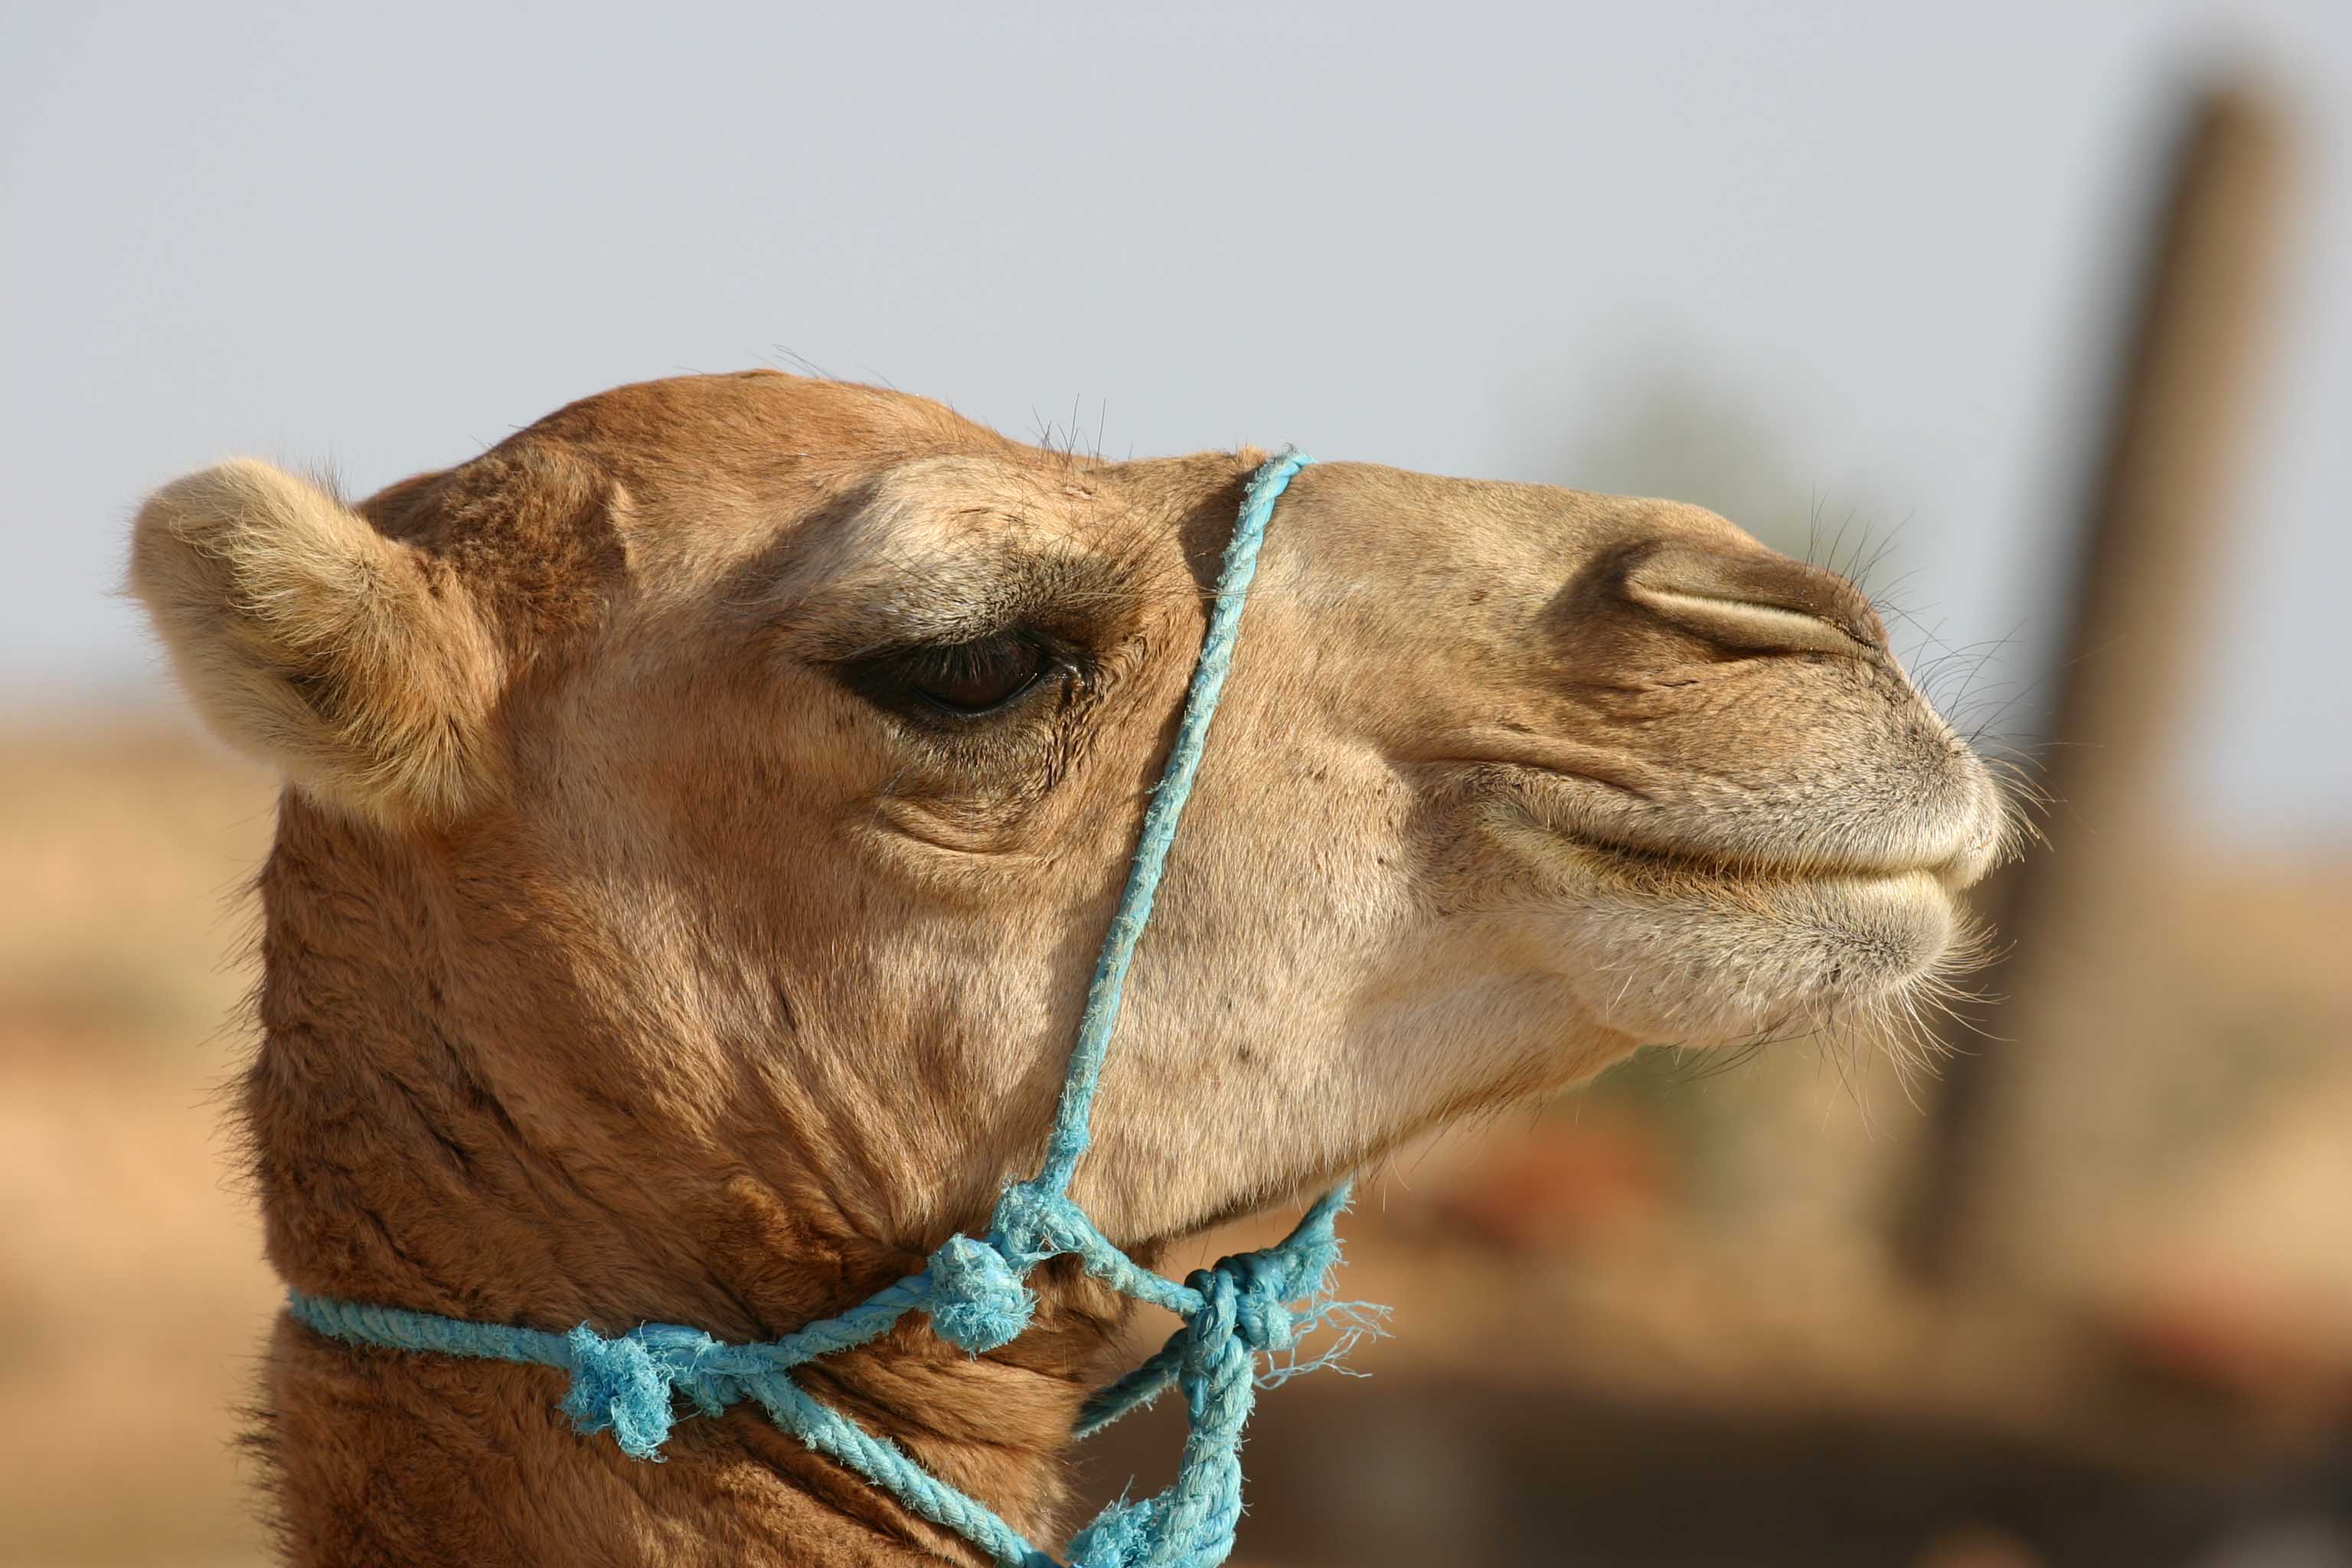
(771, 495)
(739, 428)
(672, 482)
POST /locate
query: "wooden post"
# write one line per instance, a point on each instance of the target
(2150, 539)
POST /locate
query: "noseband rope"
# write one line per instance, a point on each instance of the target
(1254, 1303)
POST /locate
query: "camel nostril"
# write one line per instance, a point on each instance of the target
(1760, 602)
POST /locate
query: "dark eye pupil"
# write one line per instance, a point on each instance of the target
(975, 676)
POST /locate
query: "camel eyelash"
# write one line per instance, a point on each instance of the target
(955, 686)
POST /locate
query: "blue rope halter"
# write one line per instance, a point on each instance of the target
(1254, 1303)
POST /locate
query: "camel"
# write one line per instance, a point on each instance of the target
(702, 812)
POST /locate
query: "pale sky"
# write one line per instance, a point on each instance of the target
(1472, 239)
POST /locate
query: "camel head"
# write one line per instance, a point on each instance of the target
(724, 783)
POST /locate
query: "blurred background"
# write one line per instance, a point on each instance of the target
(2038, 316)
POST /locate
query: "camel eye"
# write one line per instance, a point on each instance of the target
(974, 677)
(952, 683)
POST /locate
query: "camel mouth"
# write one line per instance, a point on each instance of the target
(1940, 875)
(1902, 922)
(1625, 834)
(1682, 931)
(1704, 952)
(1639, 865)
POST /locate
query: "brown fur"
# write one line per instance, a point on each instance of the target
(624, 961)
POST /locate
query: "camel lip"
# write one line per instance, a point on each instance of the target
(1559, 805)
(1649, 862)
(1952, 875)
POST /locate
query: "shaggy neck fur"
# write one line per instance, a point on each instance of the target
(435, 1132)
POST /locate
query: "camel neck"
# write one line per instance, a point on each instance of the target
(383, 1457)
(401, 1161)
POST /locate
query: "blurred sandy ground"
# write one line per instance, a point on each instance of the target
(1665, 1299)
(132, 1289)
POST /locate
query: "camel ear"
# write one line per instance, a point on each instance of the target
(356, 663)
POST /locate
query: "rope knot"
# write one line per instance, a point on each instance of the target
(1254, 1291)
(976, 1301)
(1032, 1223)
(625, 1384)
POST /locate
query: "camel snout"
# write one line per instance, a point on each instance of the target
(1755, 601)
